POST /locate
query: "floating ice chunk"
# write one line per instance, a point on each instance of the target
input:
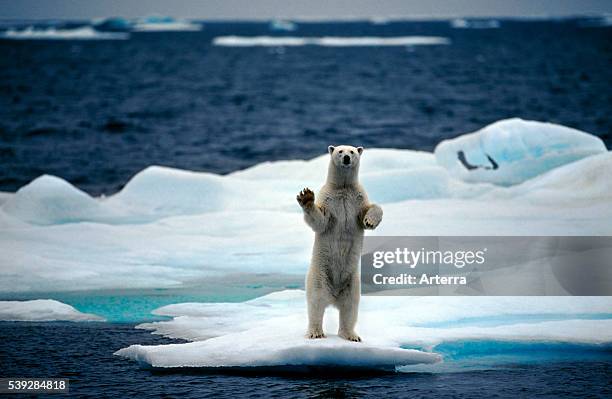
(42, 310)
(282, 25)
(83, 33)
(327, 41)
(251, 350)
(511, 151)
(462, 23)
(268, 331)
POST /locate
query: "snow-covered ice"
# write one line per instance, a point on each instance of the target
(42, 310)
(513, 150)
(170, 228)
(268, 331)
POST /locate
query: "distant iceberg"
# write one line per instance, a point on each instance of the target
(462, 23)
(327, 41)
(282, 25)
(52, 33)
(42, 310)
(115, 24)
(165, 24)
(397, 332)
(171, 228)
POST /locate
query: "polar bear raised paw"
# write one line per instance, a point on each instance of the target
(305, 198)
(373, 217)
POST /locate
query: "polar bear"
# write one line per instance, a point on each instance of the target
(338, 217)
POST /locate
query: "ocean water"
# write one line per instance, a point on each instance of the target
(82, 352)
(97, 112)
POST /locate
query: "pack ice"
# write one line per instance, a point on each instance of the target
(269, 331)
(171, 228)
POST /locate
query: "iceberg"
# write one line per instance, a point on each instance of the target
(511, 151)
(327, 41)
(42, 310)
(175, 228)
(282, 25)
(165, 24)
(268, 331)
(52, 33)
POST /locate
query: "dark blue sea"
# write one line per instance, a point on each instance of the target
(97, 112)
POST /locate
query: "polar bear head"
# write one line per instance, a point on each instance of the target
(345, 156)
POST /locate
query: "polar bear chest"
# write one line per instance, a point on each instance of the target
(344, 206)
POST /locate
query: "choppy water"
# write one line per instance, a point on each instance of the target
(96, 112)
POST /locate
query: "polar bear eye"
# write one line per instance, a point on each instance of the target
(340, 152)
(352, 152)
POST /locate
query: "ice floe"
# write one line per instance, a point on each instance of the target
(462, 23)
(53, 33)
(42, 310)
(327, 41)
(171, 228)
(268, 331)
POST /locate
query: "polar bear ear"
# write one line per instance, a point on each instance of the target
(359, 150)
(331, 149)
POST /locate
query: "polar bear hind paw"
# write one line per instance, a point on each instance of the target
(315, 334)
(350, 336)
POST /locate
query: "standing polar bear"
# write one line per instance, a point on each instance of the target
(338, 217)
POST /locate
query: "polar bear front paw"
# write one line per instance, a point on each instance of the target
(372, 218)
(315, 333)
(305, 198)
(350, 336)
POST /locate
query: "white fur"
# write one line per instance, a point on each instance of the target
(338, 216)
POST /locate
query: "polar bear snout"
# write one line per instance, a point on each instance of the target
(346, 160)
